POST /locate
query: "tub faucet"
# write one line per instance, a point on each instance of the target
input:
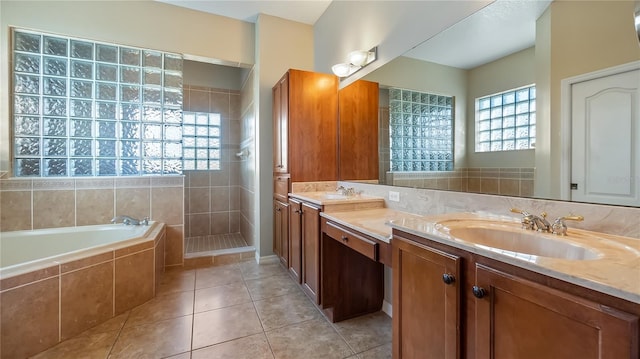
(130, 220)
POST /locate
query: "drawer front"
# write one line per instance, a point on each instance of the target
(356, 242)
(281, 188)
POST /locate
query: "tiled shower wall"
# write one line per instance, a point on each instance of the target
(248, 164)
(66, 202)
(212, 198)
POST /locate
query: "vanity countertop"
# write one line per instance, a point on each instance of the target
(371, 222)
(334, 202)
(616, 272)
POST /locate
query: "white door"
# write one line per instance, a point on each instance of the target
(605, 144)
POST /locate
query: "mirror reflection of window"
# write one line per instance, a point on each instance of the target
(421, 131)
(506, 121)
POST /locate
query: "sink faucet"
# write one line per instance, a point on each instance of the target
(560, 228)
(127, 220)
(533, 222)
(346, 191)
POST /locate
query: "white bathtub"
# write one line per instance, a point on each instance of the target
(57, 283)
(26, 250)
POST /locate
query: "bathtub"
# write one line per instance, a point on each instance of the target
(56, 283)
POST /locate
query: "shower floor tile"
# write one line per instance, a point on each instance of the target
(214, 242)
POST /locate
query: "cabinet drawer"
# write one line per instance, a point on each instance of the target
(281, 188)
(358, 243)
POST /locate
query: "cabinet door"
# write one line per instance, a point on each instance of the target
(311, 251)
(280, 125)
(426, 301)
(516, 318)
(281, 232)
(358, 131)
(295, 239)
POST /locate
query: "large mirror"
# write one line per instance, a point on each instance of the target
(510, 44)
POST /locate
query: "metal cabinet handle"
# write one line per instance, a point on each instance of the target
(448, 278)
(345, 238)
(478, 292)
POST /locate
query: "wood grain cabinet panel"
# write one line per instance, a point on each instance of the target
(311, 251)
(517, 318)
(295, 239)
(281, 231)
(426, 302)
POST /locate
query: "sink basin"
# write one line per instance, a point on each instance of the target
(516, 242)
(334, 196)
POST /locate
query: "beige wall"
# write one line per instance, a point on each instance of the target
(146, 23)
(509, 72)
(585, 36)
(412, 74)
(280, 45)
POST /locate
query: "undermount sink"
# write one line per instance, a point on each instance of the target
(334, 196)
(517, 242)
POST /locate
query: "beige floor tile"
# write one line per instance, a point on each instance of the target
(273, 286)
(220, 325)
(113, 324)
(221, 296)
(254, 347)
(216, 276)
(161, 307)
(252, 270)
(292, 308)
(366, 332)
(186, 355)
(156, 340)
(84, 346)
(309, 340)
(381, 352)
(176, 280)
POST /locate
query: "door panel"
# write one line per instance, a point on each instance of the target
(605, 135)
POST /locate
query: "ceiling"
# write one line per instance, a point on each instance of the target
(304, 11)
(474, 41)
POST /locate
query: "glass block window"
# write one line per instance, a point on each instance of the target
(86, 108)
(201, 141)
(421, 131)
(506, 121)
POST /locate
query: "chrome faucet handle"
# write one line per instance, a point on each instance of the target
(559, 227)
(527, 220)
(145, 221)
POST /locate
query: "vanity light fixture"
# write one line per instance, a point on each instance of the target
(637, 20)
(356, 61)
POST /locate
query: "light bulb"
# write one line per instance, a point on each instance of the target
(359, 58)
(341, 70)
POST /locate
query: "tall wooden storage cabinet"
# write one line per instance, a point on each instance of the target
(305, 147)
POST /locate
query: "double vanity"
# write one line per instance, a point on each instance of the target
(469, 285)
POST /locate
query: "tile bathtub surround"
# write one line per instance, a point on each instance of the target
(41, 308)
(226, 312)
(66, 202)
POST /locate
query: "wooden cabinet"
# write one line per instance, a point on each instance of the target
(358, 131)
(491, 309)
(281, 231)
(295, 239)
(426, 302)
(281, 125)
(311, 251)
(305, 126)
(352, 276)
(517, 318)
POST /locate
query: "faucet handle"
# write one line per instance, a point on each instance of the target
(560, 228)
(527, 219)
(519, 211)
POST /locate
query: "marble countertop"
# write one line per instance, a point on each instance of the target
(322, 198)
(372, 222)
(615, 271)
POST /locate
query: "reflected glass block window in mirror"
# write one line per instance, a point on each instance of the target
(86, 108)
(201, 135)
(506, 121)
(420, 131)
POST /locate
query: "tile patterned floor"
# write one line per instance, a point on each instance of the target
(214, 242)
(243, 310)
